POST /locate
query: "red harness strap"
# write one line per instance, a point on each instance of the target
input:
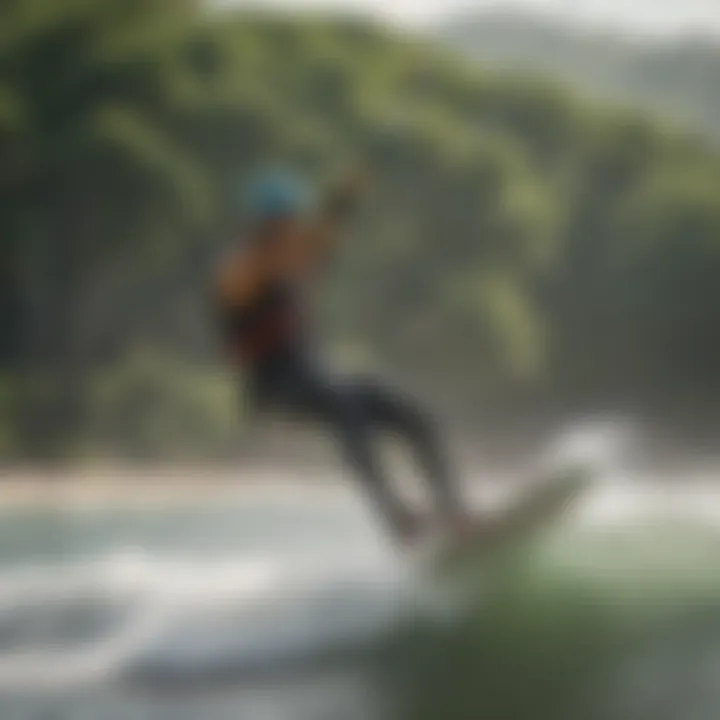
(264, 341)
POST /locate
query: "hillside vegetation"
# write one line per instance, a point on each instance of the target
(520, 249)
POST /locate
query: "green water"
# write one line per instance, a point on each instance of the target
(607, 625)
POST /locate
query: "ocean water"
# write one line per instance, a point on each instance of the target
(257, 605)
(272, 605)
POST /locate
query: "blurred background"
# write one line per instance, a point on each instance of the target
(540, 249)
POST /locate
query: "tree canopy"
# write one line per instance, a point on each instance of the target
(519, 245)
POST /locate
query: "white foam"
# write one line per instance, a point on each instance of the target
(169, 616)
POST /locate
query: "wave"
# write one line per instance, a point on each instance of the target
(133, 616)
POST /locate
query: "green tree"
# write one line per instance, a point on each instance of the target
(94, 174)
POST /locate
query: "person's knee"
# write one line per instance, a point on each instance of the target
(402, 413)
(341, 407)
(421, 425)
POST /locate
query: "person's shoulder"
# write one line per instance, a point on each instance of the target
(236, 276)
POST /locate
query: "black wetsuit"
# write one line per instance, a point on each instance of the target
(270, 339)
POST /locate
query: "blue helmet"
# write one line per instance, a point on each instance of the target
(276, 195)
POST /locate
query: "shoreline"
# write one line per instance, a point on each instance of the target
(156, 485)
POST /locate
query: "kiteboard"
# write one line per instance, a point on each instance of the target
(539, 506)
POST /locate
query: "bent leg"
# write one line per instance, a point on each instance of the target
(307, 391)
(391, 410)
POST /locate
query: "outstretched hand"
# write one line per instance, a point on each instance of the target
(353, 182)
(343, 194)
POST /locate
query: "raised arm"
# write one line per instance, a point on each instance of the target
(334, 212)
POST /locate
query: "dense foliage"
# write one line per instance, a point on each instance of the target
(519, 246)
